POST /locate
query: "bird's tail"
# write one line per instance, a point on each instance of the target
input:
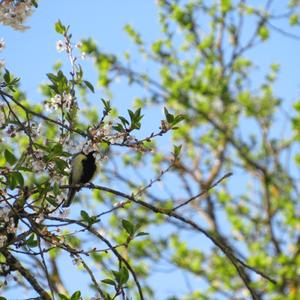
(71, 194)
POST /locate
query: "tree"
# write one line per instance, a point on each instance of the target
(238, 236)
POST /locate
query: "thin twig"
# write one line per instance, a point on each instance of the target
(203, 192)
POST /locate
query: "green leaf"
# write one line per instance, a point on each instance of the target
(76, 295)
(32, 241)
(59, 27)
(129, 227)
(116, 275)
(34, 3)
(63, 297)
(19, 178)
(135, 118)
(142, 234)
(52, 77)
(88, 219)
(123, 120)
(7, 77)
(169, 117)
(124, 275)
(84, 215)
(57, 149)
(225, 5)
(24, 169)
(2, 298)
(263, 33)
(56, 188)
(10, 158)
(11, 181)
(52, 200)
(108, 281)
(107, 107)
(89, 85)
(294, 19)
(61, 165)
(118, 128)
(177, 150)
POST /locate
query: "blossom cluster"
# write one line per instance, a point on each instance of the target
(2, 46)
(14, 13)
(66, 46)
(8, 223)
(57, 101)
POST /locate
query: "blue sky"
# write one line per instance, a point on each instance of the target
(31, 54)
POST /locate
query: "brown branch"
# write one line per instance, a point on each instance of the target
(14, 264)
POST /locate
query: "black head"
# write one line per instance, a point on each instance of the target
(90, 154)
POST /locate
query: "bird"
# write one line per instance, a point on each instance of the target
(83, 168)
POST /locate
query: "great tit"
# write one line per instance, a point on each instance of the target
(83, 168)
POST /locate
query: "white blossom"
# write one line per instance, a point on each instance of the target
(2, 44)
(78, 45)
(64, 214)
(4, 214)
(11, 131)
(67, 100)
(119, 204)
(40, 218)
(83, 55)
(89, 147)
(2, 63)
(2, 118)
(60, 46)
(35, 130)
(38, 165)
(11, 228)
(3, 240)
(53, 103)
(38, 154)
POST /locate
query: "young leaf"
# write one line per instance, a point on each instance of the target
(10, 158)
(19, 178)
(108, 281)
(107, 107)
(117, 276)
(263, 33)
(31, 241)
(7, 77)
(124, 275)
(118, 128)
(169, 117)
(76, 296)
(34, 3)
(89, 85)
(123, 120)
(59, 27)
(84, 215)
(142, 234)
(129, 227)
(177, 150)
(63, 297)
